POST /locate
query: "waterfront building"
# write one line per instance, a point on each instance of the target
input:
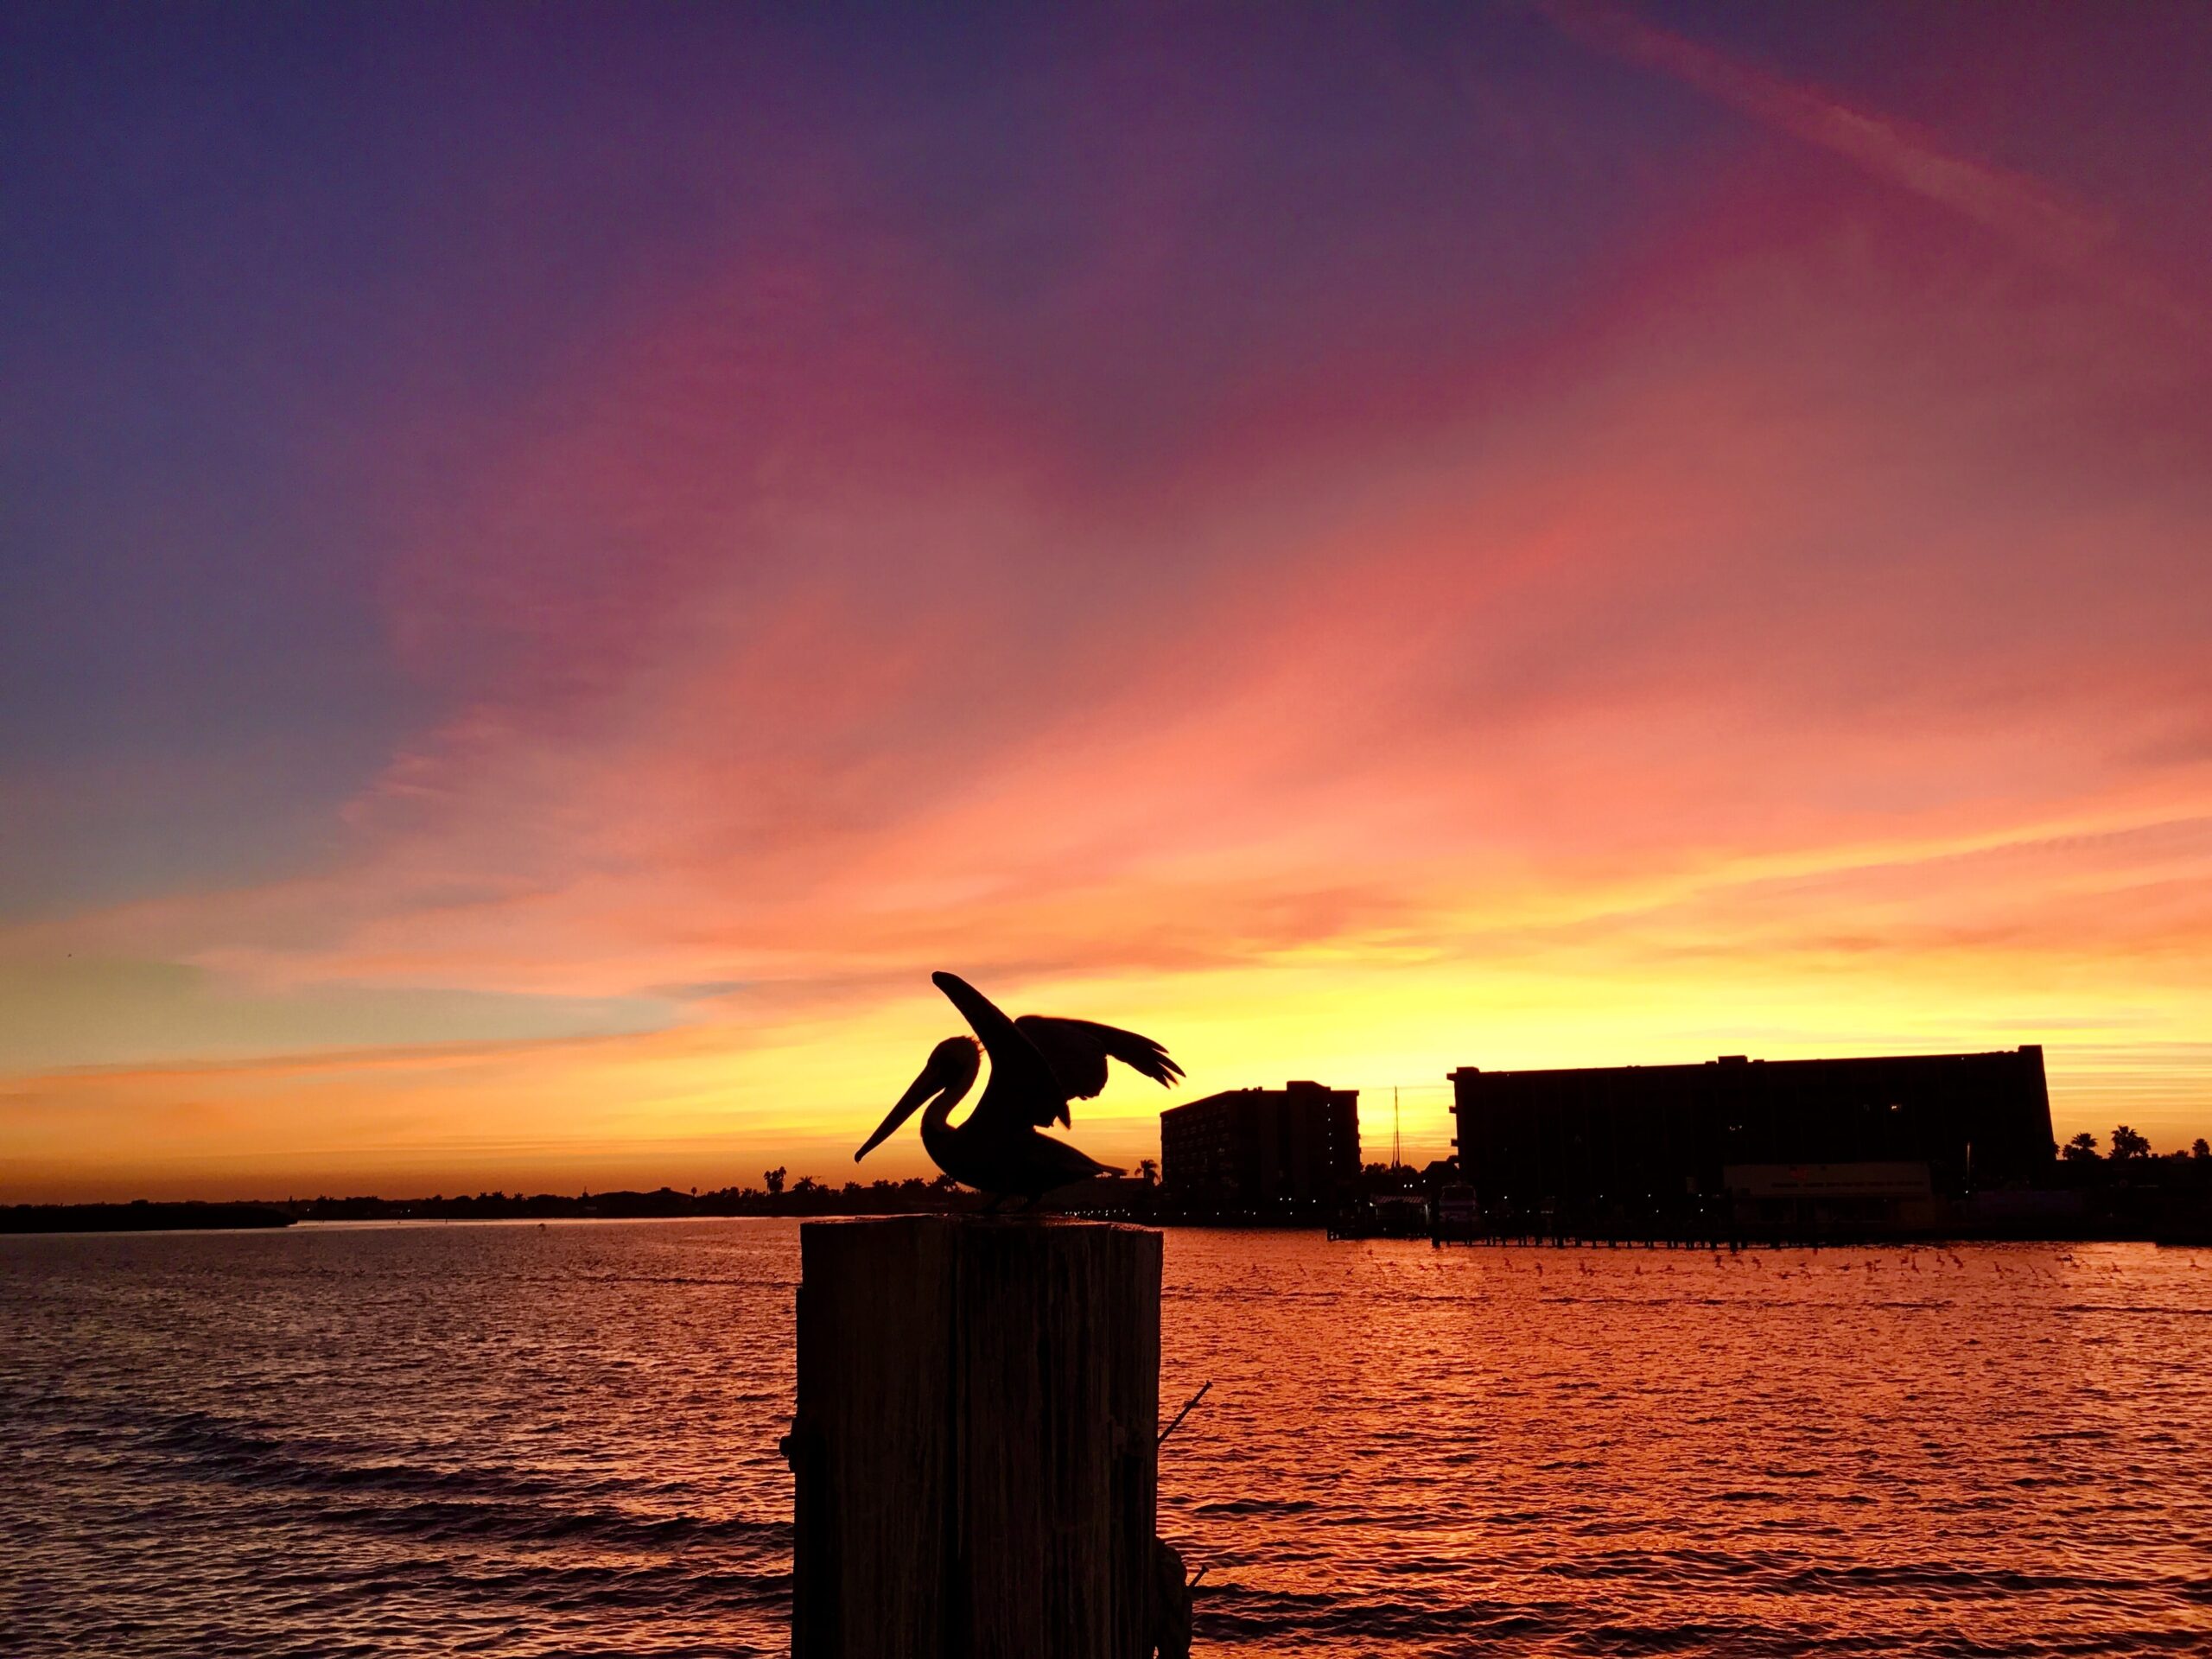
(1263, 1150)
(1640, 1139)
(1798, 1200)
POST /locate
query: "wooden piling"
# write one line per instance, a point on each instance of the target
(974, 1449)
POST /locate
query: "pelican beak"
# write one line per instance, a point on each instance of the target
(924, 1088)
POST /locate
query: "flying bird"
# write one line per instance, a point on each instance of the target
(1037, 1065)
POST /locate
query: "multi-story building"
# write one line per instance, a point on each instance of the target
(1263, 1150)
(1644, 1137)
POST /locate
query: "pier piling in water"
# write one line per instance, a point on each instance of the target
(974, 1447)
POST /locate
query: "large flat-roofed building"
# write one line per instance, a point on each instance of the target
(1262, 1148)
(1644, 1137)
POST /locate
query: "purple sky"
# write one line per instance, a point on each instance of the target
(554, 562)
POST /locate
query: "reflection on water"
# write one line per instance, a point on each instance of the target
(533, 1440)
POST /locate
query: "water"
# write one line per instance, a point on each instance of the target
(528, 1440)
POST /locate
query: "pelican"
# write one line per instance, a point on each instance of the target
(1037, 1064)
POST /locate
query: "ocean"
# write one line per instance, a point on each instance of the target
(560, 1439)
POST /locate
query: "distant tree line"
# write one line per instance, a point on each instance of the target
(139, 1216)
(777, 1196)
(2130, 1188)
(2131, 1159)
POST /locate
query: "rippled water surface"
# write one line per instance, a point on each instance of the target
(529, 1440)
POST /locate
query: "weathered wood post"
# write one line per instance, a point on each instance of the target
(975, 1443)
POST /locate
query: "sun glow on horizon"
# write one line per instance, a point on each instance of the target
(1566, 544)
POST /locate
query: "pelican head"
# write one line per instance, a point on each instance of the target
(951, 1071)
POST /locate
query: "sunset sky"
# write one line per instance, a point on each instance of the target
(556, 561)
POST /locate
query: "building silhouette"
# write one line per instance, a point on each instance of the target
(1650, 1140)
(1262, 1150)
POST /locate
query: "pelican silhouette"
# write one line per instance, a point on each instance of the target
(1036, 1063)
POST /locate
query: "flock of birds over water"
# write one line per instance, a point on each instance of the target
(1926, 1262)
(1939, 1261)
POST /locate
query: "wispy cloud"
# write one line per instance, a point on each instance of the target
(1170, 593)
(2035, 219)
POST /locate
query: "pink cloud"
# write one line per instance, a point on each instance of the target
(2029, 216)
(1812, 585)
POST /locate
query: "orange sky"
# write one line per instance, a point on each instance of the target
(1598, 544)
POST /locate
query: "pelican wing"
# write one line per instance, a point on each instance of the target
(1024, 1089)
(1078, 1051)
(1065, 1164)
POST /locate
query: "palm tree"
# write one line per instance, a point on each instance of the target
(2081, 1149)
(2126, 1144)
